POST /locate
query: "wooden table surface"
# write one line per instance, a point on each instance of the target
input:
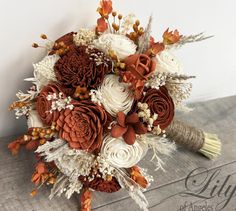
(212, 185)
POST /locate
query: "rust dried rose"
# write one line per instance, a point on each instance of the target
(99, 184)
(83, 67)
(160, 102)
(43, 105)
(140, 65)
(83, 126)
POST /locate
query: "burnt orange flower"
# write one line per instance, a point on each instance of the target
(138, 177)
(171, 37)
(105, 7)
(83, 127)
(155, 49)
(41, 173)
(128, 127)
(101, 25)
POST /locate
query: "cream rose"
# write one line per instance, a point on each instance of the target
(167, 62)
(121, 155)
(120, 44)
(34, 119)
(115, 96)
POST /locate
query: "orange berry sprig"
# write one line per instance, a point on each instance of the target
(59, 48)
(44, 37)
(34, 138)
(115, 26)
(18, 104)
(137, 31)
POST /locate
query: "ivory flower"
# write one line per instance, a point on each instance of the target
(120, 44)
(44, 72)
(121, 155)
(115, 96)
(168, 63)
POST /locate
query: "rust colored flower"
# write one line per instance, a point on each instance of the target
(83, 126)
(41, 173)
(83, 67)
(160, 102)
(105, 7)
(128, 127)
(43, 105)
(138, 68)
(171, 37)
(140, 65)
(101, 25)
(138, 177)
(99, 184)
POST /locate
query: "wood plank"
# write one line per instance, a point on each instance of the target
(217, 116)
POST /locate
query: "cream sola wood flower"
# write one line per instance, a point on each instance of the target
(44, 71)
(120, 44)
(121, 155)
(113, 95)
(168, 63)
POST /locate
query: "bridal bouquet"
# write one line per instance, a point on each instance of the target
(100, 100)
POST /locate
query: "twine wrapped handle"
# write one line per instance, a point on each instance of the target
(190, 137)
(194, 139)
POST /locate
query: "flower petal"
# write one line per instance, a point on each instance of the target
(121, 118)
(132, 118)
(118, 131)
(140, 128)
(130, 136)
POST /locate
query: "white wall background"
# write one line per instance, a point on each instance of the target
(212, 61)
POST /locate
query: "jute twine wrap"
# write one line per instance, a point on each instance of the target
(185, 135)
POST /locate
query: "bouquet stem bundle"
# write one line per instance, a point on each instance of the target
(194, 139)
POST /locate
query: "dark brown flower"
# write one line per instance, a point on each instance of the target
(82, 67)
(160, 102)
(43, 105)
(128, 127)
(83, 126)
(99, 184)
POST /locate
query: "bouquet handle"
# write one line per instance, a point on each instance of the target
(194, 139)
